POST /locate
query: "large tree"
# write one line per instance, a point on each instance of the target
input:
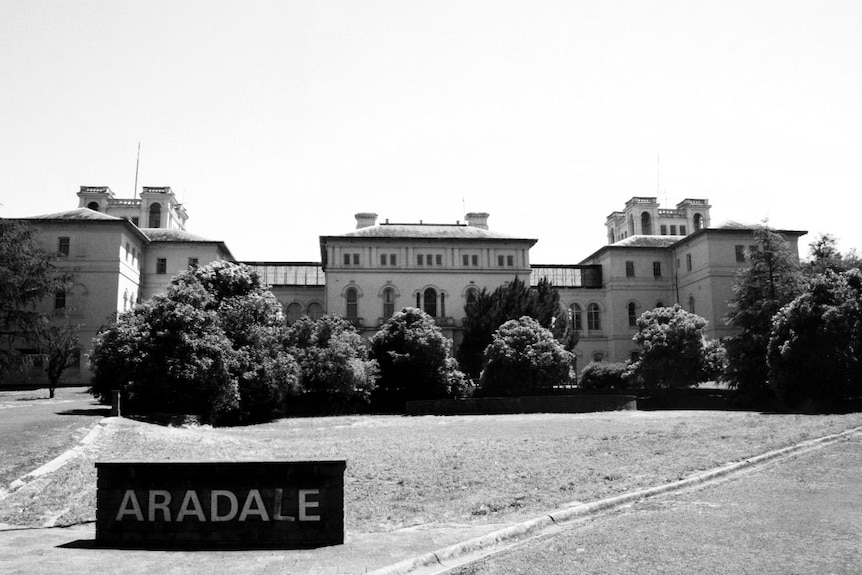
(524, 358)
(212, 346)
(815, 349)
(673, 351)
(336, 373)
(511, 301)
(28, 275)
(771, 280)
(823, 256)
(415, 360)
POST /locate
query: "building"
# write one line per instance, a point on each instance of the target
(654, 257)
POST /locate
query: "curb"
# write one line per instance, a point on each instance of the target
(510, 535)
(60, 460)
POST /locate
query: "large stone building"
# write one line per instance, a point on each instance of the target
(654, 257)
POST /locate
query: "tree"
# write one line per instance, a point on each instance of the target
(59, 342)
(771, 280)
(28, 275)
(673, 351)
(815, 349)
(511, 301)
(336, 373)
(524, 359)
(824, 256)
(604, 375)
(414, 359)
(211, 346)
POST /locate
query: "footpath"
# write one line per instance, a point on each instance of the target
(786, 475)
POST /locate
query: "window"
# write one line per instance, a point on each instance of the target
(510, 261)
(465, 260)
(500, 261)
(347, 259)
(698, 222)
(294, 312)
(633, 314)
(656, 269)
(390, 258)
(125, 299)
(193, 263)
(60, 300)
(691, 304)
(136, 220)
(420, 260)
(577, 316)
(156, 216)
(475, 260)
(594, 320)
(688, 262)
(664, 229)
(438, 259)
(646, 224)
(93, 206)
(598, 356)
(682, 231)
(161, 266)
(63, 246)
(393, 260)
(673, 230)
(472, 298)
(659, 304)
(630, 269)
(128, 251)
(740, 253)
(383, 259)
(388, 303)
(356, 259)
(429, 302)
(352, 303)
(314, 311)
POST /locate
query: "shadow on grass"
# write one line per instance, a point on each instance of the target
(93, 412)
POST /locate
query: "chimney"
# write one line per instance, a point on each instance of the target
(477, 220)
(365, 220)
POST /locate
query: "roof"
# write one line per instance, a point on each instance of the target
(426, 232)
(78, 214)
(639, 241)
(171, 235)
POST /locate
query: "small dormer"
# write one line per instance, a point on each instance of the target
(95, 198)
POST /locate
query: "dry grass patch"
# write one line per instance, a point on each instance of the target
(404, 471)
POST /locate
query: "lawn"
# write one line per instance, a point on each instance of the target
(407, 471)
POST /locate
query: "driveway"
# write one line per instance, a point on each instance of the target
(35, 429)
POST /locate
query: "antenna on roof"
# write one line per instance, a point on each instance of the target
(463, 206)
(137, 165)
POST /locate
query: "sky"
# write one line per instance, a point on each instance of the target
(275, 121)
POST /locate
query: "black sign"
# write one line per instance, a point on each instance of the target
(271, 505)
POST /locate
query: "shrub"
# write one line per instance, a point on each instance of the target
(603, 375)
(524, 359)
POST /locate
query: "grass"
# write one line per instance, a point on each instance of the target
(407, 471)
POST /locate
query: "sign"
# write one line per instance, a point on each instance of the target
(269, 505)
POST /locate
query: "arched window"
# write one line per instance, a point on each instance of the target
(125, 299)
(646, 224)
(577, 316)
(294, 312)
(93, 206)
(472, 298)
(352, 297)
(314, 311)
(594, 320)
(388, 303)
(698, 222)
(156, 215)
(691, 304)
(633, 314)
(429, 302)
(659, 304)
(598, 356)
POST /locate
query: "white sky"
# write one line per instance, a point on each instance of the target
(277, 120)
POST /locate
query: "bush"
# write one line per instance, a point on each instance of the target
(414, 359)
(212, 346)
(336, 373)
(524, 359)
(603, 375)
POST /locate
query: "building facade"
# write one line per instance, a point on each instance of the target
(654, 257)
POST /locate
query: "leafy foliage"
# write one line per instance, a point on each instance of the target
(210, 346)
(771, 280)
(824, 256)
(414, 359)
(336, 373)
(604, 375)
(815, 350)
(28, 275)
(58, 340)
(524, 359)
(511, 301)
(673, 352)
